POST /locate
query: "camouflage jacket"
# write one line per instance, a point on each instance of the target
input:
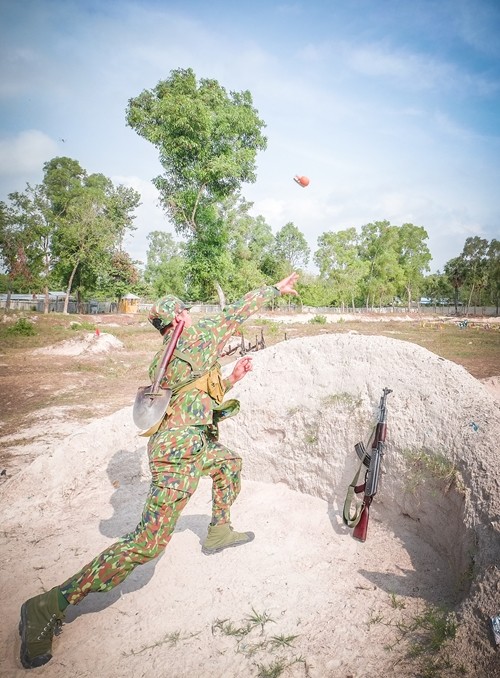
(201, 344)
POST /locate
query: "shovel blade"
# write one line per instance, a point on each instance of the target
(149, 407)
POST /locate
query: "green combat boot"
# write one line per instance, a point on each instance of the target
(41, 617)
(223, 536)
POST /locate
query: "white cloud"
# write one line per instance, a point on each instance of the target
(26, 152)
(378, 60)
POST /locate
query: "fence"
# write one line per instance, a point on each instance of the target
(56, 305)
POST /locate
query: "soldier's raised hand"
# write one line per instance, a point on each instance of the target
(286, 286)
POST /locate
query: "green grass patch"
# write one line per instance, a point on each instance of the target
(318, 320)
(341, 399)
(424, 465)
(22, 327)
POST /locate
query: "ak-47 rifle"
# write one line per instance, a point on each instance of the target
(359, 521)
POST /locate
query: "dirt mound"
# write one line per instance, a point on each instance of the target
(309, 401)
(304, 595)
(87, 344)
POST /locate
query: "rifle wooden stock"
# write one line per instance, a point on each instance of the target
(361, 528)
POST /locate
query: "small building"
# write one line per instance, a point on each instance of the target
(129, 304)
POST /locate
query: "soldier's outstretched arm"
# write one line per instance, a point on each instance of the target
(225, 324)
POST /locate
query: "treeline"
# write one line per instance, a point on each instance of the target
(68, 233)
(381, 264)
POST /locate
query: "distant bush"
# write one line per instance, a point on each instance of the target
(81, 325)
(22, 327)
(318, 320)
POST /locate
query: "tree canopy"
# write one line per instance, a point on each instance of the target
(68, 228)
(207, 141)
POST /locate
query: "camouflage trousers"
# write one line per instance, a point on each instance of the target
(177, 459)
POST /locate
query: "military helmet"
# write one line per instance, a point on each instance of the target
(164, 311)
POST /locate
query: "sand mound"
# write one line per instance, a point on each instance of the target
(433, 536)
(90, 343)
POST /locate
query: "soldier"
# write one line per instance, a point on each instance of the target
(184, 448)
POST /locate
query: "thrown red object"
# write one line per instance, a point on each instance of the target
(97, 332)
(301, 181)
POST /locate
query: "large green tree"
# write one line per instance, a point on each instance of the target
(413, 258)
(14, 241)
(90, 231)
(291, 248)
(250, 240)
(340, 265)
(454, 270)
(165, 268)
(493, 268)
(207, 141)
(379, 244)
(33, 216)
(69, 231)
(475, 260)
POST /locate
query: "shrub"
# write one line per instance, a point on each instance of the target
(22, 327)
(318, 319)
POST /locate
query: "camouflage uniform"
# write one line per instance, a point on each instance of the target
(184, 448)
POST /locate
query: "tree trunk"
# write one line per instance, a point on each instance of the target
(470, 299)
(46, 300)
(7, 305)
(221, 295)
(68, 289)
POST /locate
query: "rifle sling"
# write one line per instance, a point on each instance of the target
(350, 519)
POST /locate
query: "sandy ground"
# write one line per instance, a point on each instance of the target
(304, 598)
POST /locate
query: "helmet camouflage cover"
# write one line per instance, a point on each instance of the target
(164, 311)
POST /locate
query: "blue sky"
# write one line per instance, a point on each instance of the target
(390, 107)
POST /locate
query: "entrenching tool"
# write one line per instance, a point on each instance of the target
(151, 402)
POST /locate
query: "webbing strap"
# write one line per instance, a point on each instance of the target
(210, 382)
(352, 519)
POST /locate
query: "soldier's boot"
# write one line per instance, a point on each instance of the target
(41, 617)
(223, 536)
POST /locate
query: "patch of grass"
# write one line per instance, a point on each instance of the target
(22, 327)
(273, 670)
(264, 647)
(310, 436)
(341, 399)
(272, 327)
(422, 637)
(425, 465)
(283, 640)
(375, 618)
(435, 626)
(82, 325)
(169, 639)
(259, 619)
(397, 603)
(227, 628)
(318, 320)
